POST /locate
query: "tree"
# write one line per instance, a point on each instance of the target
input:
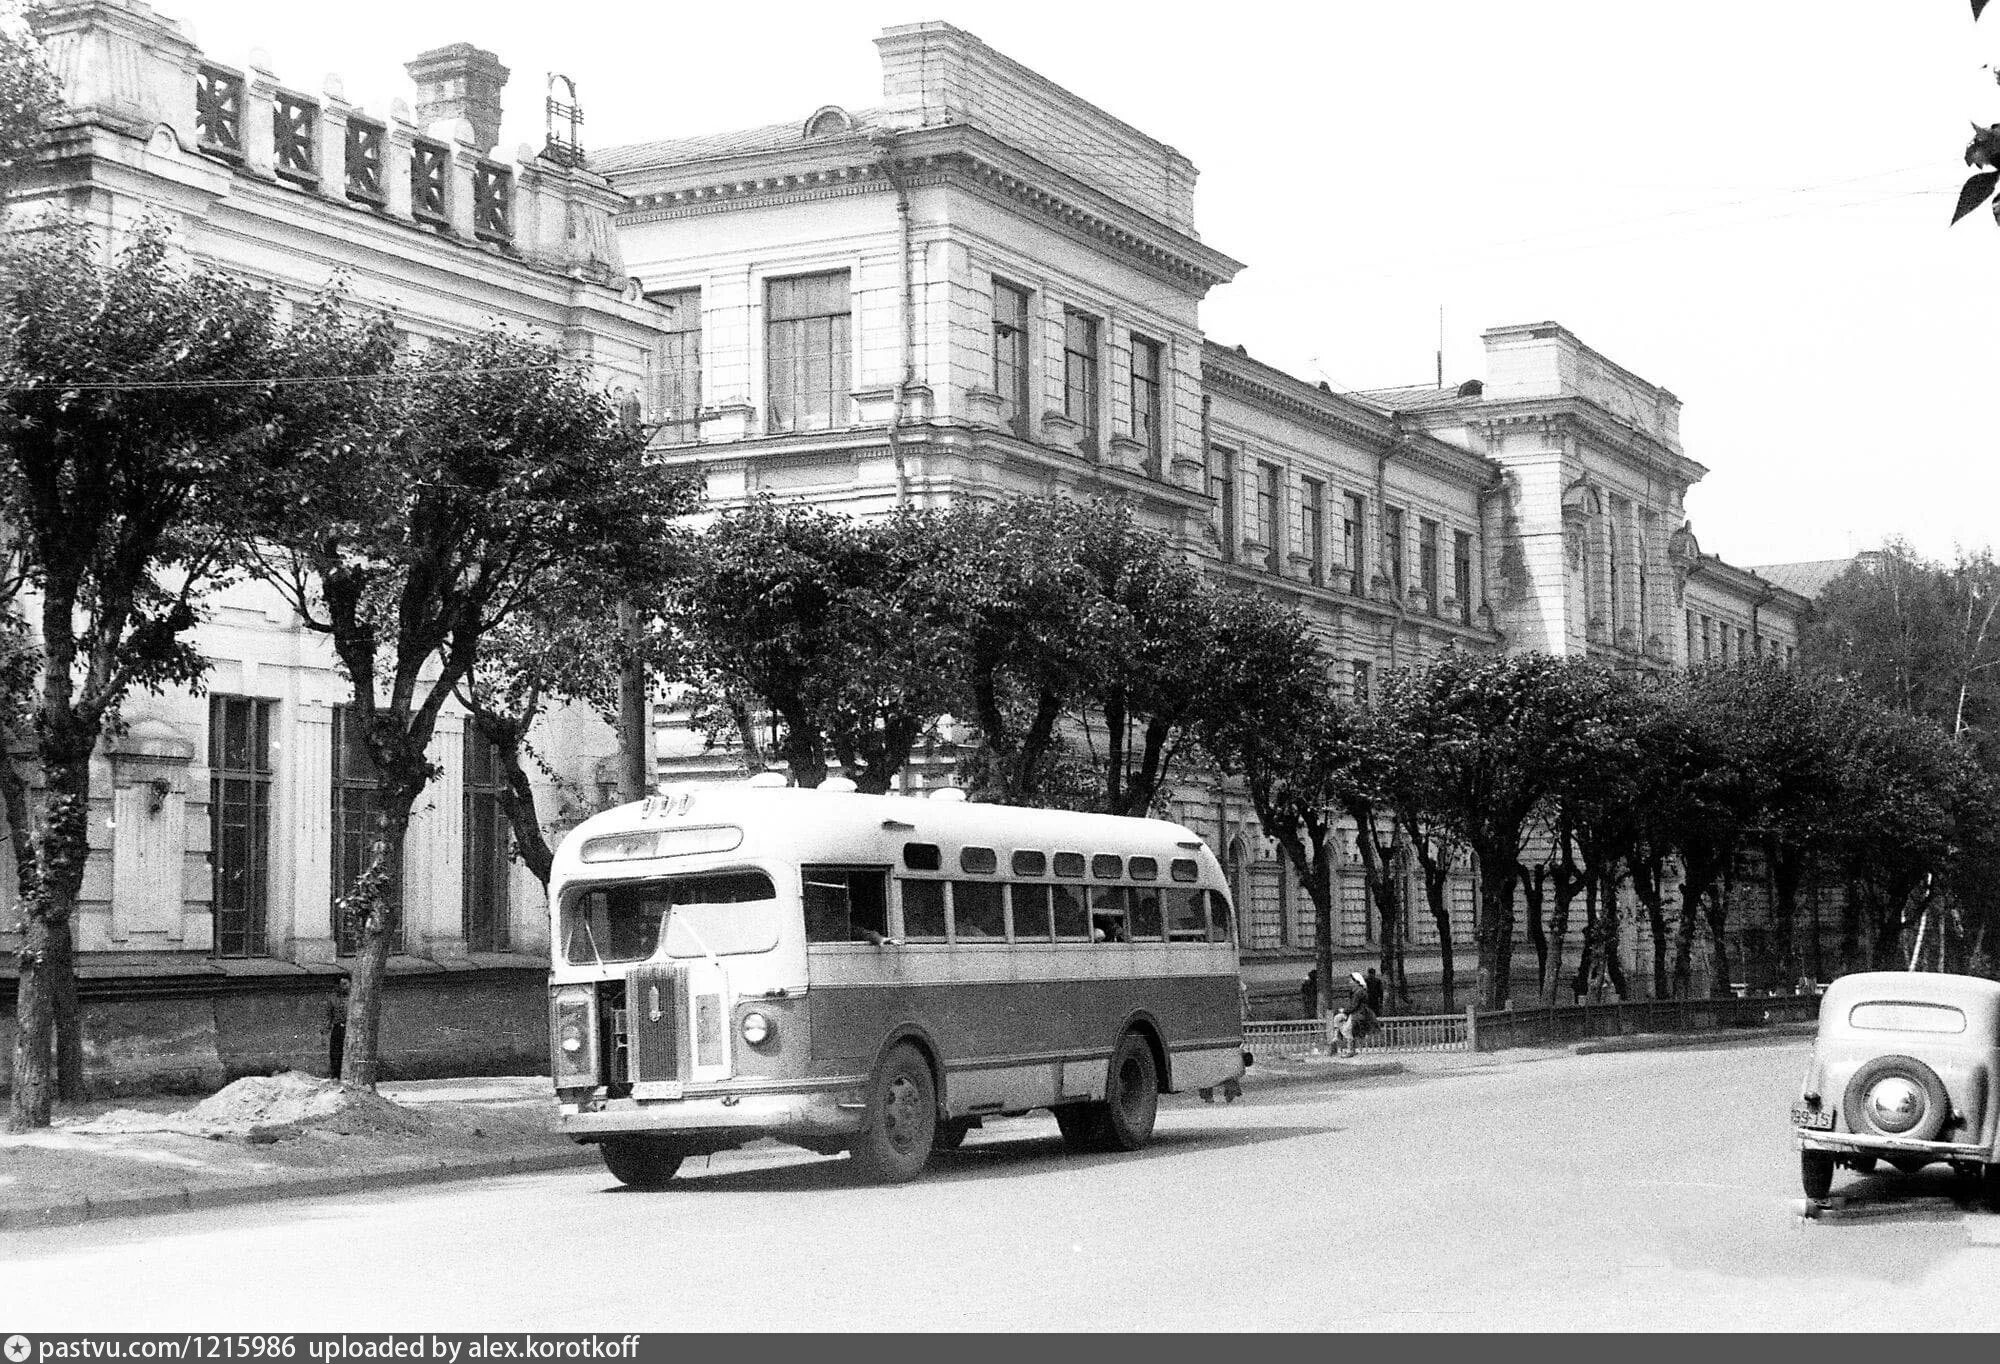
(458, 482)
(138, 423)
(1292, 744)
(1490, 733)
(1916, 635)
(566, 647)
(28, 95)
(848, 632)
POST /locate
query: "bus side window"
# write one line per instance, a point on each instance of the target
(1031, 912)
(1145, 915)
(1218, 917)
(846, 904)
(1108, 917)
(923, 908)
(1187, 914)
(976, 910)
(1072, 919)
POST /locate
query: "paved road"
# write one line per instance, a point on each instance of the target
(1649, 1190)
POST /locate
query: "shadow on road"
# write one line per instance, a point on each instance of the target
(986, 1155)
(1891, 1198)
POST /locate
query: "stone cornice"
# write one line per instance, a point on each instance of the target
(1590, 418)
(960, 156)
(1226, 371)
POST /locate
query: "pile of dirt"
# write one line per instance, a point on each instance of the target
(268, 1108)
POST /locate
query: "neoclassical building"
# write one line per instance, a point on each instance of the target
(982, 285)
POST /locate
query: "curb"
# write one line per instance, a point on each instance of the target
(1326, 1072)
(192, 1198)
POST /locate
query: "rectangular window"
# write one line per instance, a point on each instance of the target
(1690, 637)
(1312, 528)
(923, 909)
(1146, 427)
(977, 910)
(1742, 643)
(1187, 914)
(677, 382)
(294, 137)
(1109, 915)
(806, 356)
(845, 904)
(1707, 640)
(1360, 682)
(1461, 573)
(1427, 562)
(1072, 918)
(1080, 374)
(1392, 547)
(1029, 909)
(1353, 543)
(1222, 488)
(1010, 355)
(239, 811)
(1147, 919)
(1270, 501)
(364, 161)
(488, 857)
(357, 832)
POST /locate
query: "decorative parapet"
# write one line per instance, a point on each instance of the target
(128, 70)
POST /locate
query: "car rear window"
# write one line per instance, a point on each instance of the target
(1904, 1017)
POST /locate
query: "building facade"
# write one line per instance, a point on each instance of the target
(984, 285)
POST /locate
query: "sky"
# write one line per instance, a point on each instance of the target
(1743, 201)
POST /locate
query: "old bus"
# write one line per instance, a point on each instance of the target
(877, 974)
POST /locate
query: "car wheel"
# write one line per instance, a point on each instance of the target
(1861, 1165)
(638, 1162)
(900, 1129)
(1896, 1096)
(1816, 1173)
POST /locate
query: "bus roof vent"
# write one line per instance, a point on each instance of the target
(764, 781)
(838, 784)
(948, 793)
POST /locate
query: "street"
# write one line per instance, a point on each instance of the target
(1638, 1190)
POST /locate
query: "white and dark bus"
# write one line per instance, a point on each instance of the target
(877, 974)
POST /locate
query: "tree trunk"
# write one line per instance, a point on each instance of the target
(359, 1059)
(1495, 929)
(1684, 926)
(45, 959)
(1534, 890)
(634, 723)
(517, 795)
(1718, 915)
(70, 1086)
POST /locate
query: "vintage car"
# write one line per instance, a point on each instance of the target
(1904, 1071)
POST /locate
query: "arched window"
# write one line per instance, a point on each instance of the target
(830, 121)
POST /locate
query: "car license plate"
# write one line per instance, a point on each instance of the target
(1818, 1119)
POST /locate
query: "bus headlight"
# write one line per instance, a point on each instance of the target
(575, 1040)
(757, 1029)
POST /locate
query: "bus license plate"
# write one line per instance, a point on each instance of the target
(1817, 1119)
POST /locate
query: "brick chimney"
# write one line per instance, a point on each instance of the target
(460, 81)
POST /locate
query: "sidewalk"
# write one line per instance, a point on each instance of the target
(293, 1136)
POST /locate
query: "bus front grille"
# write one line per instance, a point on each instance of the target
(657, 1003)
(614, 1039)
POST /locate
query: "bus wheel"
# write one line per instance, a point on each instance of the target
(1131, 1095)
(638, 1162)
(901, 1126)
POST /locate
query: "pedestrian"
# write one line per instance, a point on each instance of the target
(1309, 995)
(1375, 992)
(336, 1026)
(1360, 1021)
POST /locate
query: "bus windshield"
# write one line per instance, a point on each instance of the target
(721, 913)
